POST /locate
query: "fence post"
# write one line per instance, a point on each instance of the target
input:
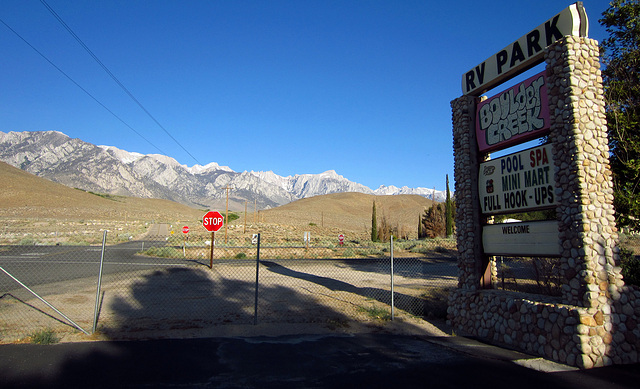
(213, 239)
(392, 291)
(97, 308)
(255, 306)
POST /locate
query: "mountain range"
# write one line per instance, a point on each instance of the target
(107, 169)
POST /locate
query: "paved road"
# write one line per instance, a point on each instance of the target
(295, 361)
(36, 265)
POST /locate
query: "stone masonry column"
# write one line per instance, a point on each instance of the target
(587, 232)
(473, 265)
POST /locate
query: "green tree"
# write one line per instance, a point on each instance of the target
(448, 212)
(621, 77)
(374, 224)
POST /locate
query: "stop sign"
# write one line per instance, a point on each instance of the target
(185, 229)
(212, 221)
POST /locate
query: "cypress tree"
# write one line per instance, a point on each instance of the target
(374, 224)
(448, 205)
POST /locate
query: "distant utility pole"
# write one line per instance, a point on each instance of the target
(226, 224)
(244, 229)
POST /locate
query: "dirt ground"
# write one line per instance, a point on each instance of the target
(198, 302)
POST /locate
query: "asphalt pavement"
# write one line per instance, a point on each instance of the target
(366, 360)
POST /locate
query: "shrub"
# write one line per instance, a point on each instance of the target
(348, 253)
(165, 252)
(420, 250)
(232, 216)
(441, 250)
(376, 313)
(630, 267)
(27, 242)
(44, 337)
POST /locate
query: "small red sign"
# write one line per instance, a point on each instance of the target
(185, 230)
(341, 238)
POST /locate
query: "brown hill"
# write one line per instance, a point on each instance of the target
(350, 211)
(27, 201)
(26, 196)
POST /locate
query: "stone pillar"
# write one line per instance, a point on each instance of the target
(596, 322)
(587, 231)
(473, 265)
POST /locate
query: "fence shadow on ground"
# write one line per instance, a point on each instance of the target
(185, 301)
(410, 304)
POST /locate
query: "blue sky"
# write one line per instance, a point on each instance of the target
(360, 87)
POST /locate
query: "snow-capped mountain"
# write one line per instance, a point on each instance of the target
(307, 185)
(425, 192)
(107, 169)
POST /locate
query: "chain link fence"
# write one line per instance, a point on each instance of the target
(537, 275)
(170, 284)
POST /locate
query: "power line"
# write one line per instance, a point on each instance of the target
(117, 81)
(80, 86)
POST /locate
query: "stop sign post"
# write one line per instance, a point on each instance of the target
(185, 231)
(212, 221)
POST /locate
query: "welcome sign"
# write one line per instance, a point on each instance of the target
(535, 238)
(519, 114)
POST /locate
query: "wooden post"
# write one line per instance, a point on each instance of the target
(226, 221)
(213, 237)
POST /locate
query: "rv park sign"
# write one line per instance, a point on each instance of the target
(525, 52)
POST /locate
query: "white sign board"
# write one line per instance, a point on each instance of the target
(536, 238)
(526, 52)
(518, 182)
